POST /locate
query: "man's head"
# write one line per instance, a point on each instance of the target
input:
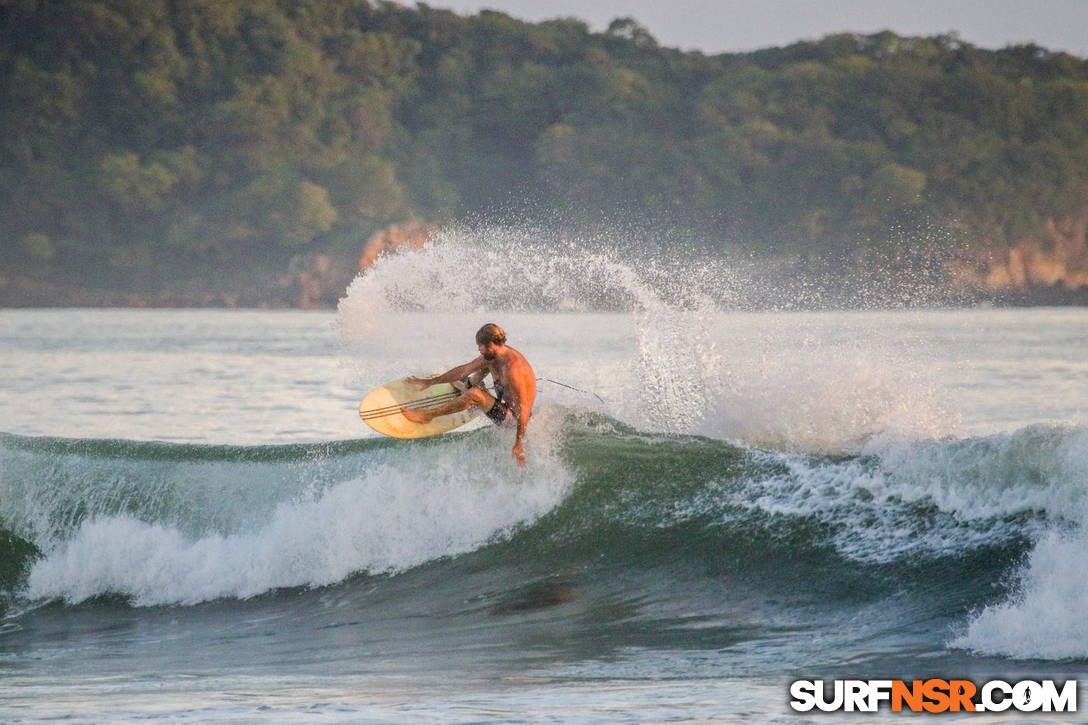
(489, 339)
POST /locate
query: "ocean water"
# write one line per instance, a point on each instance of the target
(196, 526)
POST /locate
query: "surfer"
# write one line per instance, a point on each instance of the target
(515, 386)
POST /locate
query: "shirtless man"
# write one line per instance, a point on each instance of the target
(515, 386)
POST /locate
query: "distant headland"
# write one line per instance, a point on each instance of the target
(259, 154)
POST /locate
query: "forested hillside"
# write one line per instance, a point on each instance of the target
(170, 144)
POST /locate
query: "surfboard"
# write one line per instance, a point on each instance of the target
(380, 409)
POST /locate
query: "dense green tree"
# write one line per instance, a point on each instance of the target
(147, 139)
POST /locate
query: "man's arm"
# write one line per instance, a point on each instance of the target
(461, 371)
(515, 396)
(519, 448)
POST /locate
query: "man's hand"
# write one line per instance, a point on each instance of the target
(519, 453)
(421, 383)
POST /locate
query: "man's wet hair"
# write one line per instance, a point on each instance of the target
(490, 333)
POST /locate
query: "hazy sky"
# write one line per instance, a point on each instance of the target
(715, 26)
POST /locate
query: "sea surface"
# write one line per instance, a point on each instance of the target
(195, 525)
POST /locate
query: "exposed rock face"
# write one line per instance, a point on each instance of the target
(1056, 260)
(318, 281)
(407, 234)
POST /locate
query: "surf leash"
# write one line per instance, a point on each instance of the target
(586, 392)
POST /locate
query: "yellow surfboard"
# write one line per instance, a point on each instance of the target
(380, 409)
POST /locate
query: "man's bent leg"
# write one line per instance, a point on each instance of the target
(472, 396)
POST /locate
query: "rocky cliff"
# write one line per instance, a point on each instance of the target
(1052, 267)
(318, 281)
(411, 235)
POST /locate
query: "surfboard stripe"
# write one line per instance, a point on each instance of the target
(381, 409)
(421, 404)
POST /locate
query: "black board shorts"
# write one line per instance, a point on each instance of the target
(499, 412)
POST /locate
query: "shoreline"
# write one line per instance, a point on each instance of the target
(1003, 302)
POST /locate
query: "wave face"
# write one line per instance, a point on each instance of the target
(162, 524)
(182, 524)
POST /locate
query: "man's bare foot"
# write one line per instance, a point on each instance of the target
(416, 416)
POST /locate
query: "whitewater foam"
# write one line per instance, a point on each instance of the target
(925, 499)
(1044, 617)
(821, 383)
(438, 501)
